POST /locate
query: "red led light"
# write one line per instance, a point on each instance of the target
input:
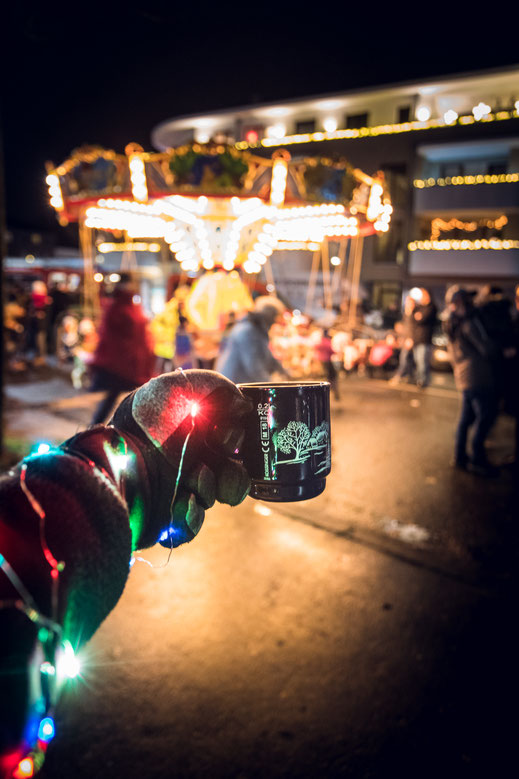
(195, 408)
(252, 136)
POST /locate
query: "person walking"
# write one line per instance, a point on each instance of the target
(325, 353)
(423, 320)
(124, 358)
(472, 353)
(246, 355)
(404, 330)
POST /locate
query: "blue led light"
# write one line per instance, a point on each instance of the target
(42, 448)
(47, 730)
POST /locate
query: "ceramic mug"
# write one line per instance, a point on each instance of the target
(287, 447)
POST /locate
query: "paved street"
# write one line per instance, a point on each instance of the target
(365, 633)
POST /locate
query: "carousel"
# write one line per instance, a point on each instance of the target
(220, 213)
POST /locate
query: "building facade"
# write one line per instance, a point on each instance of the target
(449, 149)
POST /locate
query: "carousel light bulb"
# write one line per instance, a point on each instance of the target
(335, 260)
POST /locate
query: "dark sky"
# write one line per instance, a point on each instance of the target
(96, 74)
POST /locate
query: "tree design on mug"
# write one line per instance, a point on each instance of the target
(296, 437)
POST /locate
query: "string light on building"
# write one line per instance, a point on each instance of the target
(481, 110)
(501, 178)
(439, 225)
(456, 245)
(276, 131)
(450, 116)
(376, 130)
(423, 113)
(330, 124)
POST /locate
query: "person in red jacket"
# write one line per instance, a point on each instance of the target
(324, 352)
(124, 357)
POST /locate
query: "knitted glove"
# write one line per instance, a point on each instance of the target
(187, 426)
(164, 459)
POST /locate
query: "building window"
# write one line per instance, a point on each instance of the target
(305, 126)
(354, 121)
(389, 247)
(497, 168)
(451, 169)
(387, 297)
(403, 114)
(397, 182)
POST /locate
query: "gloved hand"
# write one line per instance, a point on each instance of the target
(188, 426)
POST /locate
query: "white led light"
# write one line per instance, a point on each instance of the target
(423, 113)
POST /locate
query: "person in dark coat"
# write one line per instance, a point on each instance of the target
(404, 329)
(423, 321)
(246, 355)
(124, 357)
(472, 352)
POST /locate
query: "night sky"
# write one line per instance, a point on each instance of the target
(95, 74)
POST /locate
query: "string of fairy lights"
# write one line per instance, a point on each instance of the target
(54, 660)
(480, 113)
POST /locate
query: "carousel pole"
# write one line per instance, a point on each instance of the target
(339, 270)
(355, 281)
(90, 288)
(311, 282)
(349, 277)
(269, 275)
(327, 290)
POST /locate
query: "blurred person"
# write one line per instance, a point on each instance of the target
(423, 321)
(472, 352)
(495, 311)
(511, 385)
(14, 332)
(324, 352)
(37, 322)
(382, 355)
(163, 327)
(124, 357)
(247, 355)
(84, 351)
(404, 329)
(184, 356)
(231, 321)
(60, 301)
(67, 338)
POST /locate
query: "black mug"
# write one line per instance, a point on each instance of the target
(287, 447)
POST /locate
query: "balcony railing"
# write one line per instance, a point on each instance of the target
(466, 193)
(492, 259)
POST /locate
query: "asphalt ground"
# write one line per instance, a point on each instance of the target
(369, 632)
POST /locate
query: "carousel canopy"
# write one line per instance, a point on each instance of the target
(216, 206)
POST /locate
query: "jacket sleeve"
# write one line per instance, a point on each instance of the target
(257, 358)
(475, 332)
